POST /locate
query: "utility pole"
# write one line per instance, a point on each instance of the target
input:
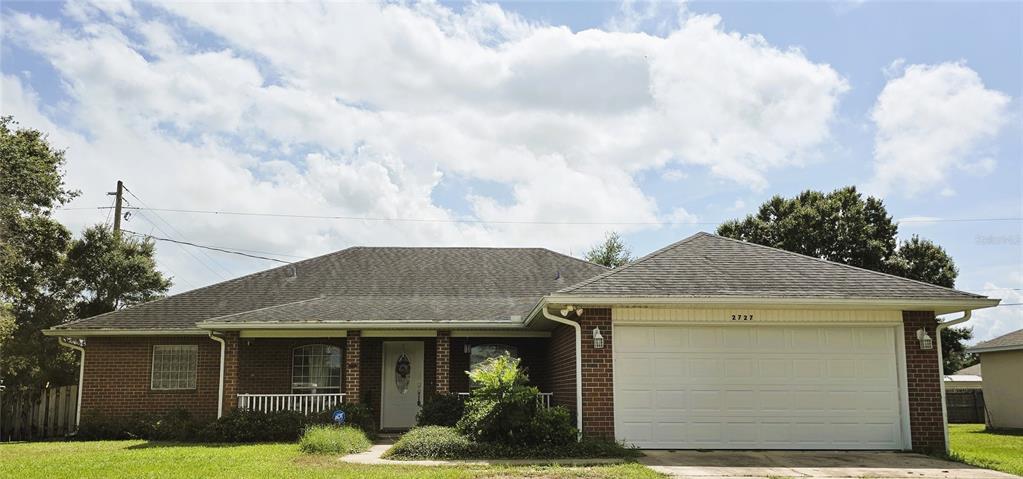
(117, 207)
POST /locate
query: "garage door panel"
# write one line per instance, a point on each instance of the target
(748, 387)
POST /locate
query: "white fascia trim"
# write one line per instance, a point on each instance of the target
(284, 333)
(943, 305)
(81, 333)
(364, 325)
(482, 333)
(994, 349)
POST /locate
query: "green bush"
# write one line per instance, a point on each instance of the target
(431, 442)
(436, 442)
(552, 427)
(97, 427)
(254, 426)
(328, 439)
(501, 407)
(441, 410)
(356, 415)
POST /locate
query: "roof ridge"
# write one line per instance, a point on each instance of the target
(835, 263)
(291, 303)
(580, 260)
(601, 276)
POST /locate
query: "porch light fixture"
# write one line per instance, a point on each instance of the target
(925, 340)
(569, 308)
(598, 339)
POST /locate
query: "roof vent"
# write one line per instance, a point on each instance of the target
(557, 276)
(290, 272)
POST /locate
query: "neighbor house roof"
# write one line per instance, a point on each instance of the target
(706, 265)
(362, 283)
(1005, 342)
(974, 370)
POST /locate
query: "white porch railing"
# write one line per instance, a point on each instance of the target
(542, 399)
(303, 403)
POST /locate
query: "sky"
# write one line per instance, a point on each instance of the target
(539, 124)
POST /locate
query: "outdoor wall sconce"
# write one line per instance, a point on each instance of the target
(570, 308)
(598, 339)
(925, 340)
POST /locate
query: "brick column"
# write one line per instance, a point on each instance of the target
(353, 350)
(598, 378)
(923, 375)
(443, 362)
(232, 362)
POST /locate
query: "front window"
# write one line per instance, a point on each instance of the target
(316, 368)
(174, 366)
(482, 352)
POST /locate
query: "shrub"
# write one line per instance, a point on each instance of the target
(97, 427)
(502, 407)
(356, 415)
(177, 425)
(441, 410)
(552, 427)
(327, 439)
(255, 426)
(431, 442)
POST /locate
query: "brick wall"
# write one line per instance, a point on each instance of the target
(598, 378)
(118, 378)
(561, 361)
(352, 367)
(924, 382)
(443, 366)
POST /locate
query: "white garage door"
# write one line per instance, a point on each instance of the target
(756, 387)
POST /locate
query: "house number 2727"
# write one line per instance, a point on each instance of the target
(742, 317)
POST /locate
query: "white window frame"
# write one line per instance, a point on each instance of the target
(194, 349)
(318, 389)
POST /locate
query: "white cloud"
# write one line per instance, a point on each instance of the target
(993, 322)
(681, 216)
(361, 110)
(930, 120)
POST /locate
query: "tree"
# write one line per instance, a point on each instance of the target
(611, 253)
(844, 227)
(46, 276)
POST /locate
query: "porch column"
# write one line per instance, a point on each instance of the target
(232, 351)
(443, 362)
(353, 351)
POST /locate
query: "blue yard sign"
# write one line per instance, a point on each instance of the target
(339, 417)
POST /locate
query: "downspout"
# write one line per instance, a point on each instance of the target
(81, 378)
(578, 366)
(941, 367)
(220, 388)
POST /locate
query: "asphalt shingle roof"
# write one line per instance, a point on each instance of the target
(362, 283)
(1007, 341)
(706, 265)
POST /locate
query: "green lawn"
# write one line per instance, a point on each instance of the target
(137, 459)
(999, 451)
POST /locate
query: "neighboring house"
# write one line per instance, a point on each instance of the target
(1002, 359)
(966, 378)
(707, 343)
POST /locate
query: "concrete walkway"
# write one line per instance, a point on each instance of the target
(372, 456)
(841, 464)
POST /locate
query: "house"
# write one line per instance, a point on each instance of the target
(966, 378)
(1002, 359)
(707, 343)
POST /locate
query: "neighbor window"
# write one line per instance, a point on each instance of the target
(174, 366)
(482, 352)
(316, 368)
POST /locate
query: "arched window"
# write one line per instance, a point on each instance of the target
(316, 368)
(483, 352)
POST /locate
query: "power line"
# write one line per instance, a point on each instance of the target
(214, 248)
(474, 220)
(178, 233)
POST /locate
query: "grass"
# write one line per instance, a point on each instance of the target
(328, 439)
(1002, 451)
(140, 459)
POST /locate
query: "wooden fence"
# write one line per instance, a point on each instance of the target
(38, 414)
(965, 406)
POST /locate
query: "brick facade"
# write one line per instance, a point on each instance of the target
(352, 367)
(118, 373)
(561, 362)
(598, 376)
(923, 377)
(443, 364)
(266, 363)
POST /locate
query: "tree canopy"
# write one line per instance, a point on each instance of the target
(612, 252)
(844, 227)
(48, 277)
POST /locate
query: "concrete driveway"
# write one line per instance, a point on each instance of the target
(828, 464)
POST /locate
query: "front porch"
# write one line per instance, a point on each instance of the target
(391, 372)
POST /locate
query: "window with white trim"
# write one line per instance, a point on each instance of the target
(316, 368)
(174, 366)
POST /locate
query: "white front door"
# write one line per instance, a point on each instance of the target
(402, 388)
(768, 387)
